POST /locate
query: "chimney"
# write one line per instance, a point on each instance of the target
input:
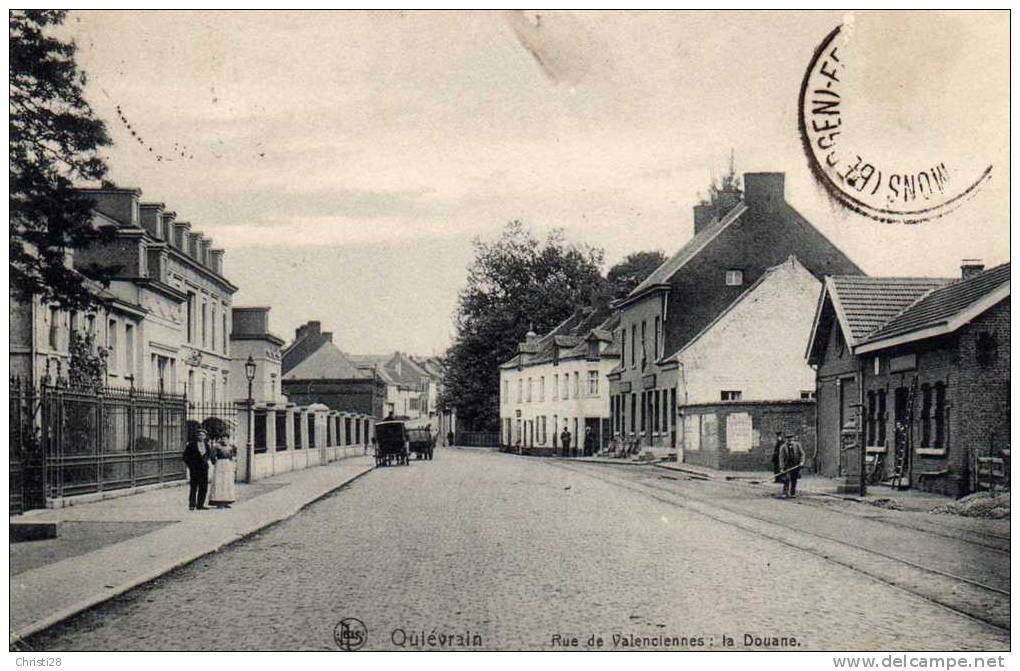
(151, 215)
(249, 321)
(300, 332)
(216, 260)
(168, 226)
(970, 268)
(314, 328)
(328, 336)
(118, 204)
(703, 216)
(203, 250)
(181, 229)
(192, 246)
(764, 190)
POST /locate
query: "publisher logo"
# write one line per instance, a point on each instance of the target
(350, 634)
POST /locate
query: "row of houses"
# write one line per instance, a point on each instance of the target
(399, 385)
(172, 349)
(759, 325)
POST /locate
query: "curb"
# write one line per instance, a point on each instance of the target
(91, 602)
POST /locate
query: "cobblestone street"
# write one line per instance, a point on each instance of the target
(502, 552)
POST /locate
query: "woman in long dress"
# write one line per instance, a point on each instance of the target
(223, 491)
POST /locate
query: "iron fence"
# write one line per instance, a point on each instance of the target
(67, 441)
(478, 438)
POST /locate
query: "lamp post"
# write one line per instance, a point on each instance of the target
(249, 374)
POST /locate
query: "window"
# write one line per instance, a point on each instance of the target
(54, 327)
(655, 409)
(529, 389)
(542, 430)
(807, 394)
(593, 349)
(870, 426)
(734, 278)
(556, 387)
(577, 384)
(190, 317)
(111, 343)
(204, 325)
(731, 395)
(926, 415)
(655, 336)
(623, 346)
(212, 327)
(224, 332)
(541, 389)
(987, 348)
(566, 386)
(633, 345)
(593, 383)
(644, 346)
(882, 418)
(129, 349)
(940, 416)
(877, 363)
(633, 413)
(520, 391)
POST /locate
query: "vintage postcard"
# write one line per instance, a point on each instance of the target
(671, 331)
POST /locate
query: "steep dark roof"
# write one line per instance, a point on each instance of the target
(863, 304)
(325, 363)
(669, 268)
(569, 336)
(938, 307)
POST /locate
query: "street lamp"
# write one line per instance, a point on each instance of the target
(249, 374)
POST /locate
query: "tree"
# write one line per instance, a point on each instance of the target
(626, 275)
(87, 366)
(514, 284)
(54, 139)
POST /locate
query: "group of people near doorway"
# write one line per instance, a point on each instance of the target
(202, 454)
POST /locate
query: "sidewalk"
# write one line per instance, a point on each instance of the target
(909, 499)
(108, 547)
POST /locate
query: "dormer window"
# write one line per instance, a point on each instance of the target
(593, 349)
(734, 278)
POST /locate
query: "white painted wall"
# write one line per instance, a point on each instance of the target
(758, 346)
(559, 410)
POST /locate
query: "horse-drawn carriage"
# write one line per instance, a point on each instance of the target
(421, 442)
(391, 443)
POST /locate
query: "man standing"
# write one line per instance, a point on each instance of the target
(565, 441)
(196, 458)
(589, 442)
(791, 459)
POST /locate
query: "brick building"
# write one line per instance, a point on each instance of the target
(735, 242)
(744, 376)
(920, 367)
(316, 371)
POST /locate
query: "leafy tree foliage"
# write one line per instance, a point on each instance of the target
(514, 284)
(87, 367)
(632, 271)
(54, 139)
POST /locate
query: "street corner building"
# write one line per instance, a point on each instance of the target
(159, 339)
(711, 342)
(556, 383)
(917, 371)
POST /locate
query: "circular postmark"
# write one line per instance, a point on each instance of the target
(350, 634)
(886, 176)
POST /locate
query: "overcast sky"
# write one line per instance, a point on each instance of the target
(346, 160)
